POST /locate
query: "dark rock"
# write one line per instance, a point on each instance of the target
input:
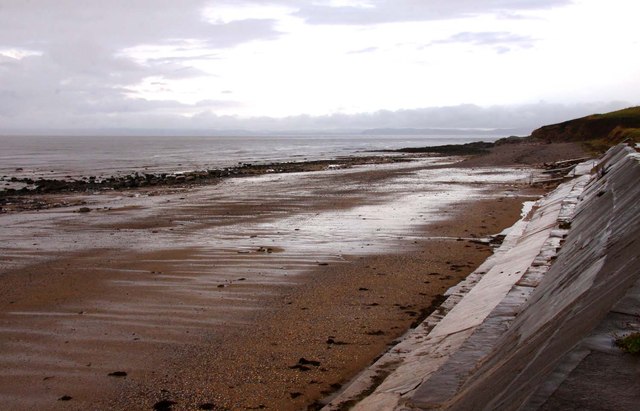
(294, 395)
(333, 341)
(304, 361)
(299, 367)
(479, 147)
(65, 398)
(84, 210)
(164, 405)
(315, 406)
(565, 225)
(207, 406)
(117, 374)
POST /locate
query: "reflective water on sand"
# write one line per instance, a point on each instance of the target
(150, 269)
(306, 218)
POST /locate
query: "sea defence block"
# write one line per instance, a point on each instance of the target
(528, 323)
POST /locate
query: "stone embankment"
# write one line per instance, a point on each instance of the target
(534, 327)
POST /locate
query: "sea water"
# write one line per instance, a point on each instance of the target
(77, 156)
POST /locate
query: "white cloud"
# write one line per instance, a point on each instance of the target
(232, 12)
(18, 53)
(310, 63)
(389, 11)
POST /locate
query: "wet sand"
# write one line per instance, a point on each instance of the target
(267, 292)
(341, 316)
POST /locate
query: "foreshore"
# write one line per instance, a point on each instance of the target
(266, 292)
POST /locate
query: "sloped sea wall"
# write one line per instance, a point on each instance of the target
(534, 327)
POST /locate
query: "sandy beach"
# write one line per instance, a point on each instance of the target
(262, 292)
(318, 205)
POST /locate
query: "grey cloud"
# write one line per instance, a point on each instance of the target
(81, 79)
(216, 104)
(132, 114)
(178, 59)
(38, 90)
(241, 31)
(521, 117)
(183, 72)
(387, 11)
(81, 69)
(120, 23)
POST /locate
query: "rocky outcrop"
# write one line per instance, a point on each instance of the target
(30, 186)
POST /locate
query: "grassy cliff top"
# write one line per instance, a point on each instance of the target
(596, 131)
(631, 113)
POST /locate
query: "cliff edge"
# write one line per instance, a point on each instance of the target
(612, 128)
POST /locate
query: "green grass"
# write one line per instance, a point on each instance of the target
(632, 133)
(597, 147)
(630, 343)
(619, 134)
(631, 112)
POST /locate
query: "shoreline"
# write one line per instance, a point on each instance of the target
(263, 312)
(34, 191)
(137, 180)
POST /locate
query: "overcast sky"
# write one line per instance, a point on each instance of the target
(325, 64)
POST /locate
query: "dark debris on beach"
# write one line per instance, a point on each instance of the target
(22, 198)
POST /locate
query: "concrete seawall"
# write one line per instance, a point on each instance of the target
(533, 327)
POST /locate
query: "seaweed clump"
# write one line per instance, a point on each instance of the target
(629, 343)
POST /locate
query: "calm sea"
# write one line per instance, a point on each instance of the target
(61, 156)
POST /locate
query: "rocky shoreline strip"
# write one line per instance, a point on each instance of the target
(22, 198)
(139, 179)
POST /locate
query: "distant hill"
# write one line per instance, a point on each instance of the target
(440, 131)
(607, 129)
